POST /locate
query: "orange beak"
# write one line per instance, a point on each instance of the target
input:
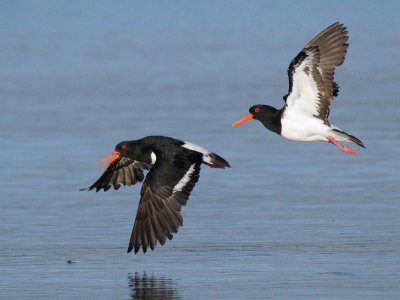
(113, 156)
(242, 120)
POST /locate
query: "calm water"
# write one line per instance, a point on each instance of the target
(288, 221)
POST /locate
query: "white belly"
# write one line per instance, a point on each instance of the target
(301, 127)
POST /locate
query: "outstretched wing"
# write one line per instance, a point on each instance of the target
(124, 171)
(166, 189)
(311, 73)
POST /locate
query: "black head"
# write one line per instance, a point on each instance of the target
(267, 115)
(258, 112)
(123, 149)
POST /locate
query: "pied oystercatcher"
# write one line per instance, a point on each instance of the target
(174, 170)
(311, 90)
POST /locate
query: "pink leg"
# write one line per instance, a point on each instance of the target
(345, 149)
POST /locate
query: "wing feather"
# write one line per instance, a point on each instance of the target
(162, 197)
(125, 171)
(311, 72)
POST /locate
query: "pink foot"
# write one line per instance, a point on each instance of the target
(345, 149)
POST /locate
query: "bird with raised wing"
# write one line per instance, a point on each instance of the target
(304, 116)
(174, 169)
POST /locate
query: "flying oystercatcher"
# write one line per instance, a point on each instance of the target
(174, 169)
(311, 90)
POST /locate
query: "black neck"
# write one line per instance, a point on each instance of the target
(270, 117)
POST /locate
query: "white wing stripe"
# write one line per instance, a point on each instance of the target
(197, 148)
(185, 179)
(206, 153)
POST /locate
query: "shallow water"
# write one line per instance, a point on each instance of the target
(288, 220)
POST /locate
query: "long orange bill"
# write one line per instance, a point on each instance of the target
(113, 156)
(242, 120)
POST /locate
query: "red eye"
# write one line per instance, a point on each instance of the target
(123, 147)
(257, 110)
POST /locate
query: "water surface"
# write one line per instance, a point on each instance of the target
(288, 220)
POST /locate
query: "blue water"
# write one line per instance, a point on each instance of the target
(289, 220)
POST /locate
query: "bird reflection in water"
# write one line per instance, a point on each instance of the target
(145, 286)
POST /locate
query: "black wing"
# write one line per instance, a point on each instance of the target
(124, 171)
(166, 189)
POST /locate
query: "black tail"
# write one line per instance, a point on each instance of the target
(356, 140)
(215, 161)
(349, 137)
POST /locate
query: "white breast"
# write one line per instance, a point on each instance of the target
(302, 127)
